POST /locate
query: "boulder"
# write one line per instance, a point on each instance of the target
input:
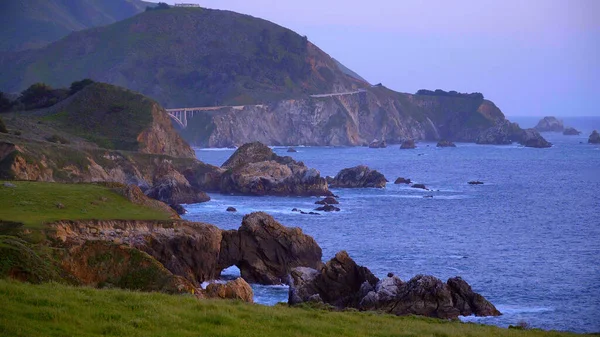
(357, 177)
(327, 208)
(291, 150)
(327, 201)
(594, 138)
(571, 132)
(231, 209)
(265, 251)
(178, 208)
(549, 124)
(344, 284)
(402, 181)
(255, 170)
(408, 144)
(378, 144)
(421, 186)
(532, 138)
(171, 187)
(237, 289)
(445, 143)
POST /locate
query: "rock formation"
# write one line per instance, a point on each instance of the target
(408, 144)
(344, 284)
(549, 124)
(507, 133)
(445, 143)
(532, 138)
(172, 187)
(401, 180)
(358, 177)
(237, 289)
(571, 132)
(327, 201)
(254, 169)
(594, 138)
(377, 144)
(419, 186)
(327, 208)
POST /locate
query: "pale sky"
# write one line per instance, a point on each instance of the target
(531, 57)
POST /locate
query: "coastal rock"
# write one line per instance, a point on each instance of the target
(344, 284)
(594, 138)
(408, 144)
(134, 194)
(549, 124)
(445, 143)
(420, 186)
(178, 208)
(291, 150)
(378, 144)
(532, 138)
(327, 208)
(357, 177)
(255, 170)
(502, 133)
(265, 251)
(571, 132)
(237, 289)
(402, 181)
(231, 209)
(172, 187)
(330, 200)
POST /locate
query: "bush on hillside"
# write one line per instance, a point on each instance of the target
(161, 5)
(41, 95)
(451, 93)
(78, 85)
(3, 127)
(57, 139)
(5, 103)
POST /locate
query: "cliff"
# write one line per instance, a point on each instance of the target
(356, 118)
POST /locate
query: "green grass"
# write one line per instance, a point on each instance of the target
(58, 310)
(34, 203)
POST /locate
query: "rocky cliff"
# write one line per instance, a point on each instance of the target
(355, 118)
(550, 124)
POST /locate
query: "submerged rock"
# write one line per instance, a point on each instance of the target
(571, 132)
(344, 284)
(594, 138)
(408, 144)
(357, 177)
(445, 143)
(549, 124)
(402, 181)
(231, 209)
(327, 208)
(420, 186)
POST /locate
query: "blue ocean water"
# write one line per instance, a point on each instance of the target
(528, 239)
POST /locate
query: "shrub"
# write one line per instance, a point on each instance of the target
(78, 85)
(161, 5)
(5, 103)
(57, 139)
(3, 127)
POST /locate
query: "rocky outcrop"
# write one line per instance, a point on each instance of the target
(237, 289)
(445, 143)
(420, 186)
(594, 138)
(344, 284)
(408, 144)
(506, 132)
(327, 208)
(172, 187)
(254, 169)
(401, 180)
(358, 177)
(265, 251)
(291, 150)
(378, 144)
(327, 201)
(549, 124)
(532, 138)
(571, 132)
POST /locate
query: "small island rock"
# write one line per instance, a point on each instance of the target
(421, 186)
(327, 201)
(445, 143)
(291, 150)
(231, 209)
(594, 138)
(402, 181)
(357, 177)
(408, 144)
(571, 132)
(327, 208)
(550, 124)
(378, 144)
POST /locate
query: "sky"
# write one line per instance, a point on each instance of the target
(532, 58)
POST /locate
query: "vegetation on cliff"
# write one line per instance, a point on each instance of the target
(185, 57)
(58, 310)
(35, 23)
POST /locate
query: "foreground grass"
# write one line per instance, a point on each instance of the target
(58, 310)
(33, 203)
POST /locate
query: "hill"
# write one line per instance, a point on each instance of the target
(35, 23)
(185, 57)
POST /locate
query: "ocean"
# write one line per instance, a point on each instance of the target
(528, 239)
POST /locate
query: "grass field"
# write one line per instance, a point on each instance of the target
(34, 203)
(58, 310)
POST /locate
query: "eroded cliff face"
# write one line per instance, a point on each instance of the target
(355, 118)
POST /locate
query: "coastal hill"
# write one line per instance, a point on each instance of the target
(185, 57)
(28, 24)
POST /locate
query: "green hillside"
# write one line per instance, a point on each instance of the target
(185, 57)
(34, 23)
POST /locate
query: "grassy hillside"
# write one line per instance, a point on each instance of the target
(184, 57)
(56, 310)
(35, 23)
(34, 203)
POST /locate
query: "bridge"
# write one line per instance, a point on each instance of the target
(181, 115)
